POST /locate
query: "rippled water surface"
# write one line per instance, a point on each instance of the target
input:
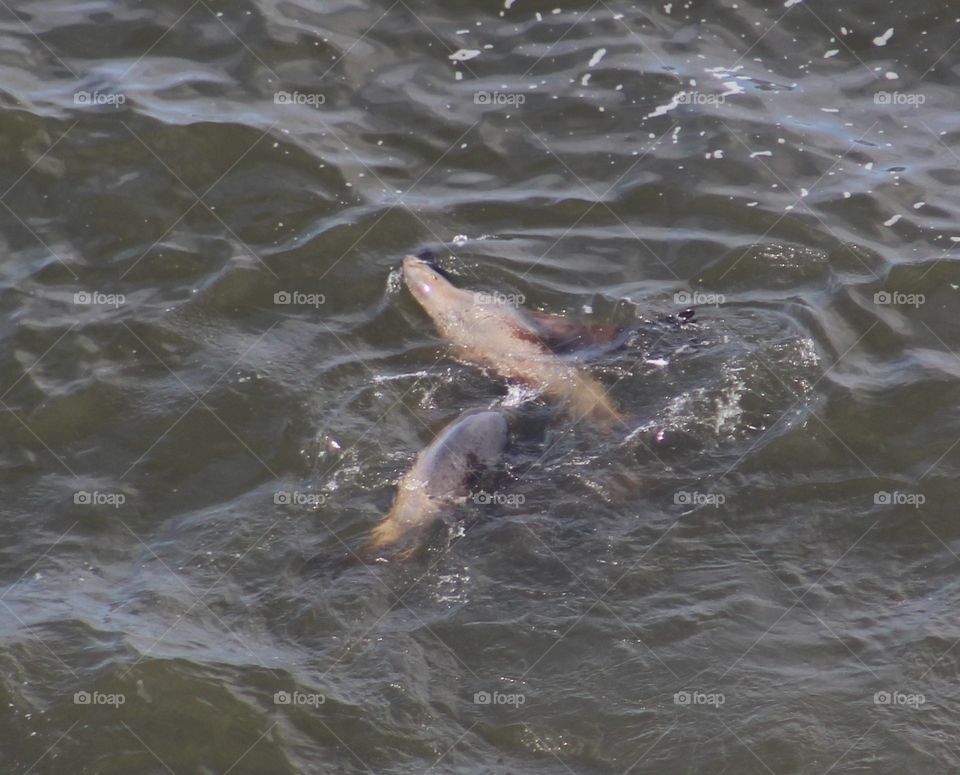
(212, 379)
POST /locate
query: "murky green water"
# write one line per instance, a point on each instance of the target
(212, 379)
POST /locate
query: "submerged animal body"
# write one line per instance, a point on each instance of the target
(446, 470)
(518, 344)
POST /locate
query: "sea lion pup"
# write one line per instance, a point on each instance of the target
(518, 344)
(448, 468)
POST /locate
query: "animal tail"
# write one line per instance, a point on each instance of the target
(391, 542)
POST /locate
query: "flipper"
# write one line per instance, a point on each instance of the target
(562, 335)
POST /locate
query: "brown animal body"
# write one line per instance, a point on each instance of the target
(516, 343)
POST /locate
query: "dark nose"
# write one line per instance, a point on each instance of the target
(430, 259)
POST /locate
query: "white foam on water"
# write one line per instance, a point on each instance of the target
(518, 395)
(395, 280)
(882, 40)
(662, 110)
(732, 86)
(717, 409)
(464, 54)
(381, 378)
(453, 587)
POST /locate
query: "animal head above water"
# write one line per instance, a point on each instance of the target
(428, 283)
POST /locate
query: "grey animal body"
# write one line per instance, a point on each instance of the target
(444, 472)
